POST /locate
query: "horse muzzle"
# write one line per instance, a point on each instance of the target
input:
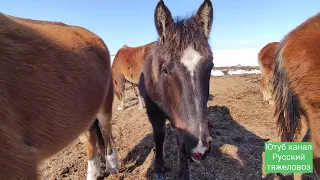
(201, 151)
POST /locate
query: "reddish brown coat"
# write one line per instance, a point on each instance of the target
(266, 58)
(54, 79)
(297, 85)
(126, 67)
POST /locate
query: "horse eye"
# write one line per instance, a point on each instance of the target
(165, 70)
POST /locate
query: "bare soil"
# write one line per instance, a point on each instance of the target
(240, 123)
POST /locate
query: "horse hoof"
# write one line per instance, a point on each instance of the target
(112, 162)
(157, 176)
(112, 171)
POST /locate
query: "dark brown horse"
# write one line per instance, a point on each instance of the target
(55, 82)
(266, 65)
(126, 67)
(175, 84)
(296, 84)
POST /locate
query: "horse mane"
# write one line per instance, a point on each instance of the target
(287, 106)
(186, 32)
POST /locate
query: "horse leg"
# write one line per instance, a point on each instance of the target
(298, 137)
(104, 117)
(315, 138)
(122, 91)
(141, 102)
(266, 92)
(184, 173)
(158, 125)
(285, 176)
(89, 139)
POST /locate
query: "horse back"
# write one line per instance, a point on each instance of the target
(296, 76)
(129, 60)
(53, 80)
(300, 59)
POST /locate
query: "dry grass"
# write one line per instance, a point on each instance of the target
(240, 123)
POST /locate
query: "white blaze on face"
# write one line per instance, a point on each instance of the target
(190, 60)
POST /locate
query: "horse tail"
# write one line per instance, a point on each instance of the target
(287, 106)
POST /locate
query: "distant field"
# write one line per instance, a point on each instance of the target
(247, 68)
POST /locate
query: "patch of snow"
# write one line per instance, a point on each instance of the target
(217, 73)
(233, 72)
(232, 57)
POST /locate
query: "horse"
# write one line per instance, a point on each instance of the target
(296, 85)
(174, 84)
(266, 58)
(56, 84)
(266, 65)
(127, 66)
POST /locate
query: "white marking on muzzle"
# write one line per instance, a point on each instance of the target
(199, 148)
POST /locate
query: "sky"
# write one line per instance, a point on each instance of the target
(238, 24)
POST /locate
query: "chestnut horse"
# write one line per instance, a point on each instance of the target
(175, 84)
(266, 59)
(266, 65)
(126, 66)
(55, 82)
(296, 84)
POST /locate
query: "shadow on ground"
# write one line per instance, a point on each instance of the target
(236, 152)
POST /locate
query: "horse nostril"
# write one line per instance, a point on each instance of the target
(209, 139)
(209, 145)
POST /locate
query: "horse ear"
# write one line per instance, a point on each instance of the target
(163, 20)
(204, 17)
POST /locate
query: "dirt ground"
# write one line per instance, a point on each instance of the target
(240, 123)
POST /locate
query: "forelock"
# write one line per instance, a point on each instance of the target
(187, 33)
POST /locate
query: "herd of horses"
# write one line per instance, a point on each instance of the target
(57, 85)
